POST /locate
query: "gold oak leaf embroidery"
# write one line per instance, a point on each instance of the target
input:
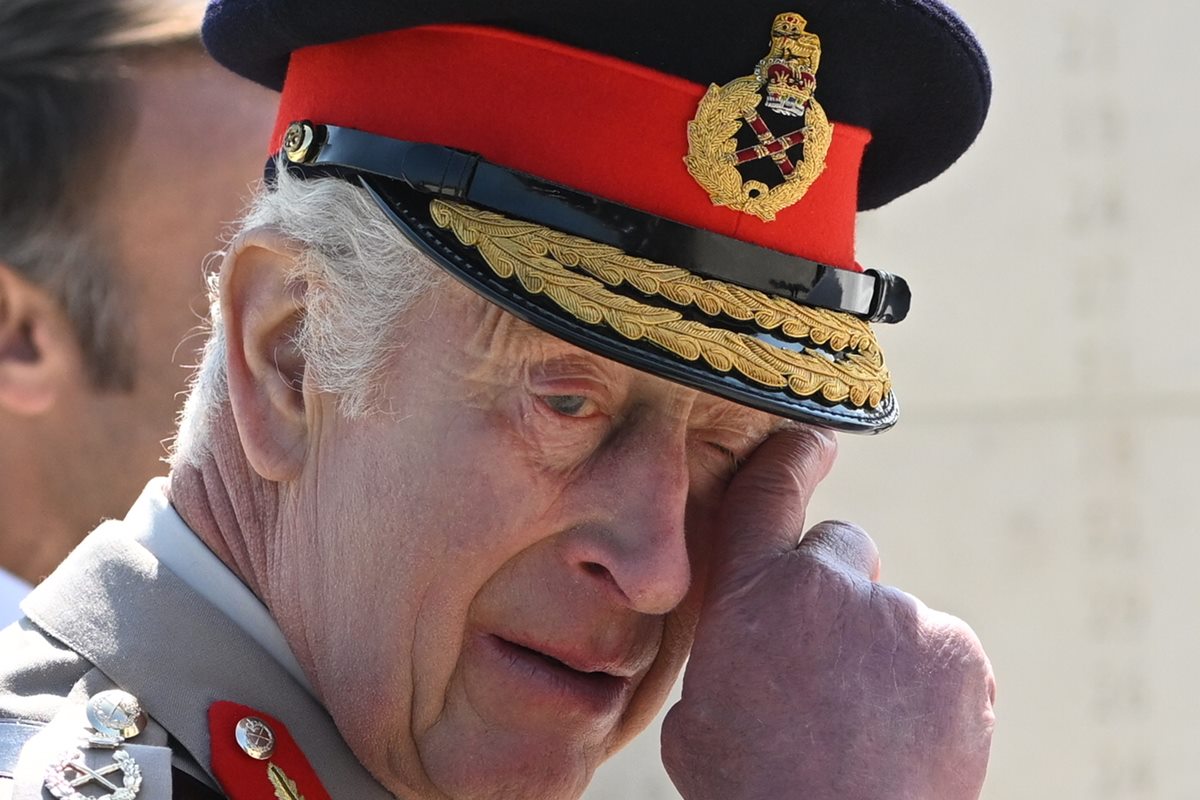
(537, 256)
(285, 787)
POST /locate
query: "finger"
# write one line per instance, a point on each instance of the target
(764, 506)
(845, 546)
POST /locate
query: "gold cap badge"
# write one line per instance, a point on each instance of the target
(762, 161)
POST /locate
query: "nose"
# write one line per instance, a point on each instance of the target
(638, 554)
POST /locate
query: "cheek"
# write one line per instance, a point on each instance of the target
(407, 555)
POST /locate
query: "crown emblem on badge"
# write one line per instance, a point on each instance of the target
(757, 143)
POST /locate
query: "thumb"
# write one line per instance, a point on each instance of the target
(764, 507)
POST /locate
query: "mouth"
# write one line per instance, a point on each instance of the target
(558, 677)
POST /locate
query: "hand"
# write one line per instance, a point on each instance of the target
(807, 678)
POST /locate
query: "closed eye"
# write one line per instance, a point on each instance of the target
(733, 459)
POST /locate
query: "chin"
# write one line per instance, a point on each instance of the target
(502, 765)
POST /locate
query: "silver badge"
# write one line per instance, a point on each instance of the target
(64, 777)
(255, 737)
(115, 716)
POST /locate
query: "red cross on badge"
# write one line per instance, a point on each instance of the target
(785, 82)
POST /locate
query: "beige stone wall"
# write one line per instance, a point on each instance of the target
(1043, 481)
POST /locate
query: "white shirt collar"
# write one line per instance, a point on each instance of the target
(154, 524)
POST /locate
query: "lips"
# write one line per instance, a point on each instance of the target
(558, 679)
(588, 662)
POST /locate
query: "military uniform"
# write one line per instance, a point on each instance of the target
(671, 185)
(116, 614)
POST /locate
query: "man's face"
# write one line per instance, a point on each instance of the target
(199, 144)
(496, 579)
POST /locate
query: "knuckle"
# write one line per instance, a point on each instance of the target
(957, 632)
(848, 537)
(671, 746)
(958, 648)
(950, 644)
(686, 733)
(843, 546)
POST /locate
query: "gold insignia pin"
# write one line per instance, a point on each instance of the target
(731, 140)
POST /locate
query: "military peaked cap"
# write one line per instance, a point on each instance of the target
(670, 184)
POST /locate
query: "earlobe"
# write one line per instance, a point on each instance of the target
(38, 350)
(262, 312)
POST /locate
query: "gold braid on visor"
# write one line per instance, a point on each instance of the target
(578, 275)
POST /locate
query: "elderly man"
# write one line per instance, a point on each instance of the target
(106, 216)
(522, 372)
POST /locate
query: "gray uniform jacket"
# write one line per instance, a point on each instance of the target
(113, 615)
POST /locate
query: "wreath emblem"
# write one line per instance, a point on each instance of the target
(64, 776)
(778, 120)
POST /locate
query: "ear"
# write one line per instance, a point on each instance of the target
(262, 314)
(39, 354)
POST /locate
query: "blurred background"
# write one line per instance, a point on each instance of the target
(1043, 482)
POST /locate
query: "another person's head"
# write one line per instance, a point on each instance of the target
(466, 431)
(110, 200)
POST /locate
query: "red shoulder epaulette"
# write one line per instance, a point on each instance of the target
(258, 764)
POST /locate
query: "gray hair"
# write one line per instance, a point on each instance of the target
(356, 273)
(63, 115)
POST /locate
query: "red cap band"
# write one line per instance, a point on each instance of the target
(590, 122)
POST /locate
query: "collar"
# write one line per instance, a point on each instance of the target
(155, 524)
(154, 635)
